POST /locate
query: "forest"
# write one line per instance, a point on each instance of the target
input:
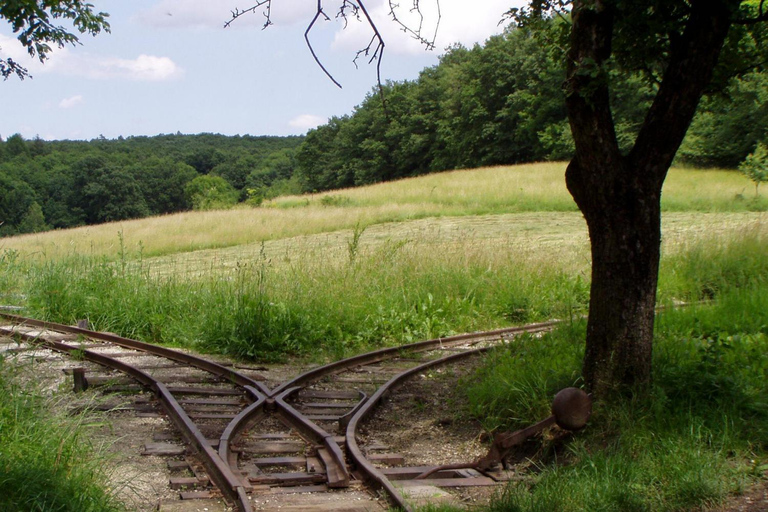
(61, 184)
(493, 104)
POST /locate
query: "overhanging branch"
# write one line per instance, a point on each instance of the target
(374, 50)
(237, 13)
(416, 33)
(318, 14)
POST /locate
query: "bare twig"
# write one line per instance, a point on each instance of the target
(353, 8)
(378, 53)
(416, 33)
(374, 51)
(318, 14)
(240, 12)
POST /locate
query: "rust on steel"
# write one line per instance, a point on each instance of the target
(571, 409)
(174, 355)
(239, 422)
(219, 471)
(371, 472)
(336, 467)
(421, 346)
(222, 464)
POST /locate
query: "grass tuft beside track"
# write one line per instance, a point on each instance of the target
(46, 462)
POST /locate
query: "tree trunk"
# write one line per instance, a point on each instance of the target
(625, 233)
(619, 195)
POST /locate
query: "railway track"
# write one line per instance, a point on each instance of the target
(256, 440)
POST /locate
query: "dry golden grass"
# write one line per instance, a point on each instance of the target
(534, 188)
(545, 237)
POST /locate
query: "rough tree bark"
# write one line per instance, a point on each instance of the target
(619, 195)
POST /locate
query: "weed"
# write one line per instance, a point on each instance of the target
(46, 464)
(335, 200)
(353, 245)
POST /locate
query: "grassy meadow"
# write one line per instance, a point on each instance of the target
(530, 188)
(324, 276)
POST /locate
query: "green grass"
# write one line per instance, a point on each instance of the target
(490, 191)
(329, 275)
(700, 435)
(46, 464)
(338, 294)
(328, 301)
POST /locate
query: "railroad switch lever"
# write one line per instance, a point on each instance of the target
(571, 410)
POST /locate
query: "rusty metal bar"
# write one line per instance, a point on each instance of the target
(368, 469)
(239, 422)
(344, 420)
(338, 476)
(197, 362)
(219, 471)
(221, 467)
(384, 353)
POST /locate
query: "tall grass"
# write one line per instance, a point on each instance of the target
(702, 267)
(350, 295)
(701, 433)
(46, 464)
(498, 190)
(328, 303)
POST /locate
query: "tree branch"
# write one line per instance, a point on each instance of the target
(373, 51)
(693, 56)
(318, 14)
(378, 53)
(416, 33)
(267, 13)
(587, 95)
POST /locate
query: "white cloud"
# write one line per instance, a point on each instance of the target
(305, 122)
(458, 23)
(71, 102)
(10, 47)
(66, 61)
(144, 68)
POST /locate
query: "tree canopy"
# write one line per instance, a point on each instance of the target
(34, 22)
(63, 184)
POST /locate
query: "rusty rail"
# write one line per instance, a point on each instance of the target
(385, 353)
(229, 484)
(222, 464)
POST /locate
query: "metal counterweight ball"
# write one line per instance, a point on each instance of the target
(571, 408)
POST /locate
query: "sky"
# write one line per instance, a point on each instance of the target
(170, 66)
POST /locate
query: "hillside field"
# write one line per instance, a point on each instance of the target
(358, 268)
(531, 188)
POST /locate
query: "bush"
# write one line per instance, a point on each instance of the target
(755, 166)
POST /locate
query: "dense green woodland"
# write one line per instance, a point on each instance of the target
(500, 103)
(62, 184)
